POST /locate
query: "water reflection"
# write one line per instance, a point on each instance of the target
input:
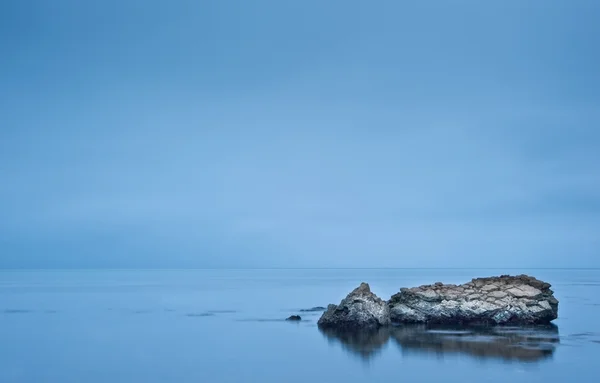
(365, 343)
(523, 344)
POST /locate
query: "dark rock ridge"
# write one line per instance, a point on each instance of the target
(504, 300)
(490, 301)
(360, 309)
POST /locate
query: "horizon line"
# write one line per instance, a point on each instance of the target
(291, 268)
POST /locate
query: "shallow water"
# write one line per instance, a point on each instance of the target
(228, 326)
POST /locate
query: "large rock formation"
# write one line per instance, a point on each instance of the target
(360, 309)
(504, 300)
(491, 301)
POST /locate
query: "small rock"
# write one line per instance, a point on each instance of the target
(525, 291)
(497, 294)
(489, 287)
(429, 295)
(294, 318)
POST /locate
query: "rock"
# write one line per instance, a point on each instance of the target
(525, 292)
(361, 309)
(497, 294)
(545, 305)
(294, 318)
(492, 301)
(489, 287)
(429, 295)
(473, 297)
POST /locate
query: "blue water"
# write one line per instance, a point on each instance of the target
(227, 326)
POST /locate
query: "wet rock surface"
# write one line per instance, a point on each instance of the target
(503, 300)
(360, 309)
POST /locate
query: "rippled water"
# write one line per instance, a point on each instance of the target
(228, 326)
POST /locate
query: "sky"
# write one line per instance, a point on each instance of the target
(274, 133)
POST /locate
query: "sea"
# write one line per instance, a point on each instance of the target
(222, 326)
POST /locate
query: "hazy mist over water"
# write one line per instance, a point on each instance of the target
(177, 178)
(299, 134)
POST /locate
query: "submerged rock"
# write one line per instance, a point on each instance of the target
(294, 318)
(360, 309)
(494, 301)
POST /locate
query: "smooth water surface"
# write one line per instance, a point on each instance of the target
(228, 326)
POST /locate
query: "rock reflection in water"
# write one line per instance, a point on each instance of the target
(365, 343)
(523, 344)
(526, 344)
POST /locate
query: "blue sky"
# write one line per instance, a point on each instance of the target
(299, 133)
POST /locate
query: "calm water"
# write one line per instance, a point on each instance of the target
(226, 326)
